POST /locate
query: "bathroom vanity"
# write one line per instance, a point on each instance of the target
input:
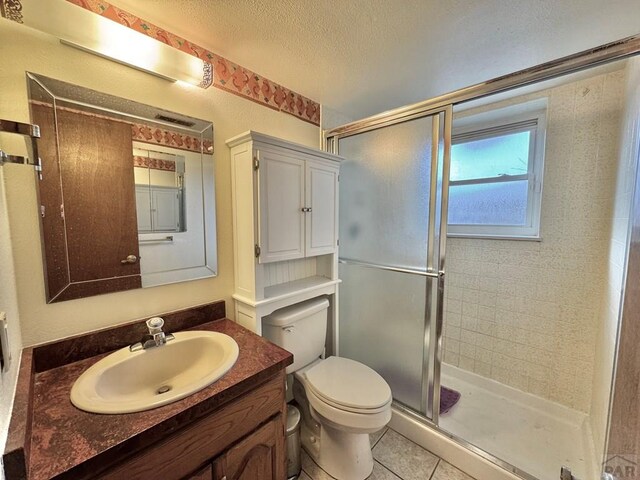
(234, 428)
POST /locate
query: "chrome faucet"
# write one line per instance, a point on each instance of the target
(155, 338)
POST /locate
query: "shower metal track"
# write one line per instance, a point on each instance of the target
(607, 53)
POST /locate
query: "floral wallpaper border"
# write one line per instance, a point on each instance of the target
(227, 76)
(11, 10)
(154, 163)
(145, 133)
(169, 138)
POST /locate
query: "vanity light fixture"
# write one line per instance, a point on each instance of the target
(86, 31)
(117, 60)
(127, 47)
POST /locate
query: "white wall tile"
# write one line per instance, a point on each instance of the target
(532, 318)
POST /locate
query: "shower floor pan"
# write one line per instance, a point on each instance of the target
(533, 434)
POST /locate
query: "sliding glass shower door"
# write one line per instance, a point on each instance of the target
(390, 254)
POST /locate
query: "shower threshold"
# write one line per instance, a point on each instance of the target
(523, 434)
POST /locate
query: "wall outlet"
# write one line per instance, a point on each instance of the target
(5, 351)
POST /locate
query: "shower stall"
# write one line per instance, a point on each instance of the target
(483, 241)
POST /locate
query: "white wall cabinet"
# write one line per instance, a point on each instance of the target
(285, 225)
(298, 206)
(281, 179)
(157, 209)
(321, 225)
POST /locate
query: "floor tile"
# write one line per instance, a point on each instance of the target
(404, 458)
(312, 469)
(374, 437)
(381, 473)
(446, 471)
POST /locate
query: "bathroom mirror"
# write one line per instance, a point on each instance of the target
(126, 196)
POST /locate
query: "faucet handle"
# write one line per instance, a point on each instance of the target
(155, 325)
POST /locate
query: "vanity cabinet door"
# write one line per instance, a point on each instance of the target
(205, 473)
(214, 437)
(322, 212)
(281, 220)
(259, 456)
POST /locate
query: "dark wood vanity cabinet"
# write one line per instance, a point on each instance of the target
(259, 456)
(205, 473)
(243, 440)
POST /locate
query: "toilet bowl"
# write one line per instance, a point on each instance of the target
(346, 401)
(341, 400)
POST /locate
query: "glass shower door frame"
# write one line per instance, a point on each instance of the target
(436, 246)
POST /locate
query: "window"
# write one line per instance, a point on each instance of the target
(495, 186)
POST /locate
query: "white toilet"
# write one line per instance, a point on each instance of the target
(341, 400)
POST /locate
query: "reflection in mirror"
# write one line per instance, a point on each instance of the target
(159, 179)
(127, 194)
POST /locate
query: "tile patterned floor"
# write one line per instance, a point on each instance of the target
(395, 458)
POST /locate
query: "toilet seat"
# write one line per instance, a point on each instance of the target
(348, 421)
(348, 385)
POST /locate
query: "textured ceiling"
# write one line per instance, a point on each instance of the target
(364, 57)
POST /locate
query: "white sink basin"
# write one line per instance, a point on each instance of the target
(126, 381)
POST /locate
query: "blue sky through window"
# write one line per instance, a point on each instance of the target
(490, 157)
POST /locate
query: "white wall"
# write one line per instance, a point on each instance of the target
(614, 270)
(230, 114)
(22, 288)
(526, 313)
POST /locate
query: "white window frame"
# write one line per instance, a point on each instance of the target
(529, 116)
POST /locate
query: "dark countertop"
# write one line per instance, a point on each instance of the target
(66, 442)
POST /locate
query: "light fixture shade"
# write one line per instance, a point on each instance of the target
(98, 35)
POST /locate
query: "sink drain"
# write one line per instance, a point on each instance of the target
(163, 389)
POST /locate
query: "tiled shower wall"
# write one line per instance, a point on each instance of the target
(526, 313)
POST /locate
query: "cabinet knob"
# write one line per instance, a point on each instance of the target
(306, 209)
(129, 259)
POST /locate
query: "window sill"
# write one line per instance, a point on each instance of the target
(524, 238)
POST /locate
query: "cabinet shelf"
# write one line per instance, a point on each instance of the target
(284, 290)
(304, 287)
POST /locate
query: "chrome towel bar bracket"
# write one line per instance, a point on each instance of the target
(28, 130)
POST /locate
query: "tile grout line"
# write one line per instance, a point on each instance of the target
(426, 450)
(435, 469)
(378, 441)
(386, 467)
(381, 463)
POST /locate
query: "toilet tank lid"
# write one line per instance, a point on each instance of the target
(288, 315)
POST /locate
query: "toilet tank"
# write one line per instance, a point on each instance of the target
(300, 329)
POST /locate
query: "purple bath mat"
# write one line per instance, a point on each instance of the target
(448, 398)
